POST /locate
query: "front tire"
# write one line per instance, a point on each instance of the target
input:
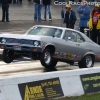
(86, 62)
(8, 56)
(47, 60)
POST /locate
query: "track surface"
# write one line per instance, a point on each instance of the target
(28, 66)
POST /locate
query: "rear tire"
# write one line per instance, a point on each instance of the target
(8, 56)
(47, 60)
(86, 62)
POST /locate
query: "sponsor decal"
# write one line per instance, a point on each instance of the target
(70, 56)
(98, 56)
(78, 58)
(62, 54)
(41, 90)
(91, 82)
(56, 54)
(66, 56)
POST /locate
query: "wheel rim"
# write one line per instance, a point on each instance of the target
(47, 57)
(88, 61)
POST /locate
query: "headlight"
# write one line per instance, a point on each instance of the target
(3, 40)
(36, 43)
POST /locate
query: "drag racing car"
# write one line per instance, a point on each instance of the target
(50, 44)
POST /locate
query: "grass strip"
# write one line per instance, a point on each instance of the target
(93, 96)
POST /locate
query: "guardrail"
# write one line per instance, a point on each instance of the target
(50, 85)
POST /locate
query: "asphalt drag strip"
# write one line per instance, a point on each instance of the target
(29, 67)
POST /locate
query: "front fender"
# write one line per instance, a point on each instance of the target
(47, 44)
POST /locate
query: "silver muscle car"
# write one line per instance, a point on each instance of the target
(51, 44)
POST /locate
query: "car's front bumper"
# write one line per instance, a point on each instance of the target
(21, 48)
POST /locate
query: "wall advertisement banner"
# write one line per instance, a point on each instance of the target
(91, 82)
(41, 90)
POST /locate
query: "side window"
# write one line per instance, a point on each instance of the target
(70, 35)
(80, 39)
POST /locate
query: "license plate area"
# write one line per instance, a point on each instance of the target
(17, 47)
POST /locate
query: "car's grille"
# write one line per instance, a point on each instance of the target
(21, 41)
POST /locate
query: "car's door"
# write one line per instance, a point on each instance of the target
(84, 46)
(70, 44)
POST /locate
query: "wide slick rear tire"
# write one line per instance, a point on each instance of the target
(47, 60)
(87, 62)
(8, 56)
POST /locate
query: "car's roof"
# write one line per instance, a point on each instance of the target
(50, 26)
(63, 28)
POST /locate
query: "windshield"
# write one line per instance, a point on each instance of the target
(45, 31)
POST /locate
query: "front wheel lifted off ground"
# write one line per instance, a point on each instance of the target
(8, 56)
(47, 60)
(86, 62)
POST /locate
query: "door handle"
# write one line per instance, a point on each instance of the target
(78, 44)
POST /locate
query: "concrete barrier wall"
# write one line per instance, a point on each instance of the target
(69, 80)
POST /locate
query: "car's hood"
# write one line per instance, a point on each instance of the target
(20, 36)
